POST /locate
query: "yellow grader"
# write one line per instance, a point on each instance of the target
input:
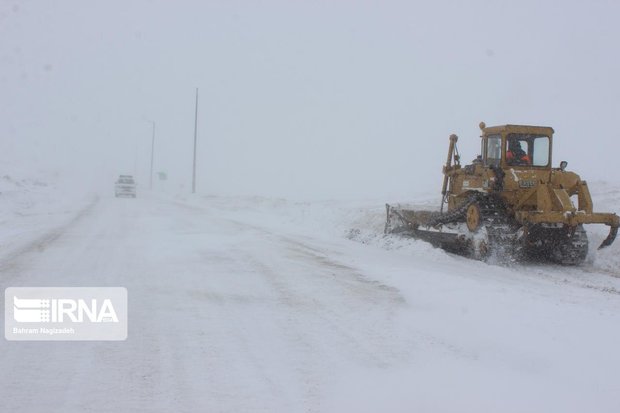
(509, 203)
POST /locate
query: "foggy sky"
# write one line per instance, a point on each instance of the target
(301, 99)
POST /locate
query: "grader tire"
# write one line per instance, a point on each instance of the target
(473, 217)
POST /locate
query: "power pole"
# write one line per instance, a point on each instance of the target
(195, 140)
(152, 153)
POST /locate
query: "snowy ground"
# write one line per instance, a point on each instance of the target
(255, 304)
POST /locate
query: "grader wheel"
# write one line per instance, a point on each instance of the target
(473, 217)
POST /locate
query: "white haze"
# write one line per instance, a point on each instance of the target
(327, 99)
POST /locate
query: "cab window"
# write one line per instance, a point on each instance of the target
(493, 150)
(541, 151)
(527, 149)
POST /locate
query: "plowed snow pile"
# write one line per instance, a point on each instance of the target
(363, 221)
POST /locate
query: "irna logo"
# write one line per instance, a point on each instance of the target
(65, 313)
(60, 310)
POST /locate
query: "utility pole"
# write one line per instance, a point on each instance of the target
(195, 140)
(152, 153)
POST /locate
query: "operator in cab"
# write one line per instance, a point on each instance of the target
(515, 155)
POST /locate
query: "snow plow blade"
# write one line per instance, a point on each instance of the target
(400, 221)
(421, 225)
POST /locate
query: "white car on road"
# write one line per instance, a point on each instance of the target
(125, 186)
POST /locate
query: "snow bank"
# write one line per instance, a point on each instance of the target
(34, 202)
(363, 221)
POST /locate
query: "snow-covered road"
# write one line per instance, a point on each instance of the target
(235, 310)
